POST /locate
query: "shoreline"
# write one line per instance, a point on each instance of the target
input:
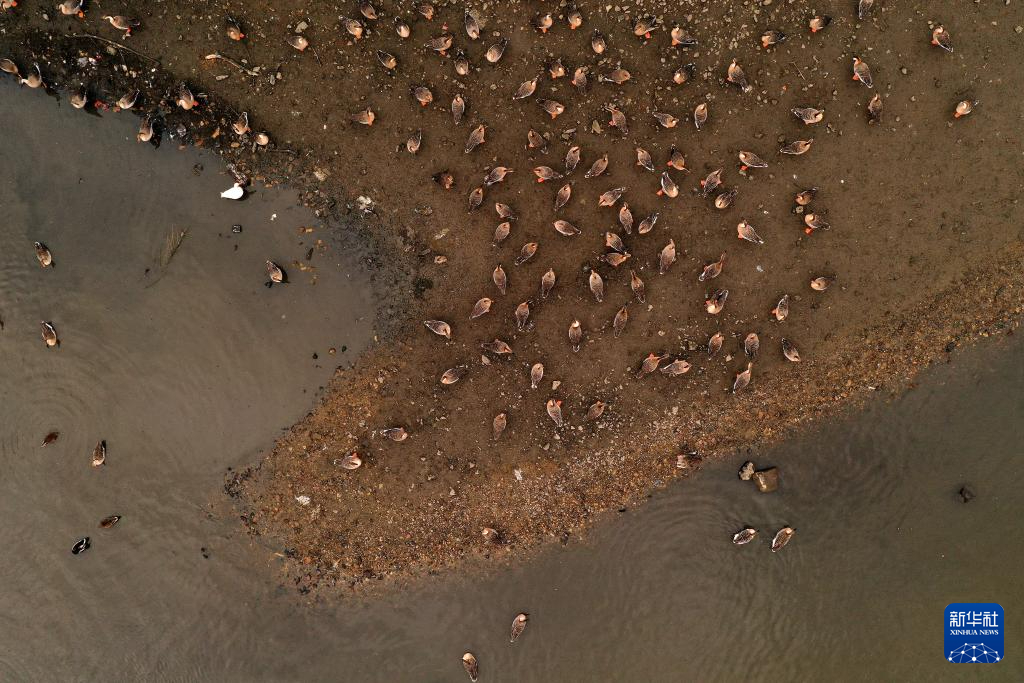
(982, 309)
(418, 507)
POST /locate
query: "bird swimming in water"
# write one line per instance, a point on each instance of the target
(99, 454)
(49, 334)
(275, 274)
(43, 255)
(471, 665)
(33, 80)
(744, 536)
(518, 626)
(108, 522)
(146, 131)
(782, 538)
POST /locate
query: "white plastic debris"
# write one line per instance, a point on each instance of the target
(236, 191)
(303, 500)
(518, 473)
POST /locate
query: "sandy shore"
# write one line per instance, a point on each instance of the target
(925, 243)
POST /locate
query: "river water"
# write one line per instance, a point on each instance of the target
(195, 366)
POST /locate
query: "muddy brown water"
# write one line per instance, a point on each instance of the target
(197, 367)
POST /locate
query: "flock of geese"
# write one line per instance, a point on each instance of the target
(711, 188)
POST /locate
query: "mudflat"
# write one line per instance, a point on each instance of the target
(922, 251)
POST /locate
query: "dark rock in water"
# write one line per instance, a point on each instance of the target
(80, 546)
(767, 480)
(966, 494)
(747, 471)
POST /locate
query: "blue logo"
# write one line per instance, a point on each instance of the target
(974, 633)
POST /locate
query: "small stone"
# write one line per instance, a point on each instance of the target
(767, 480)
(966, 494)
(747, 471)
